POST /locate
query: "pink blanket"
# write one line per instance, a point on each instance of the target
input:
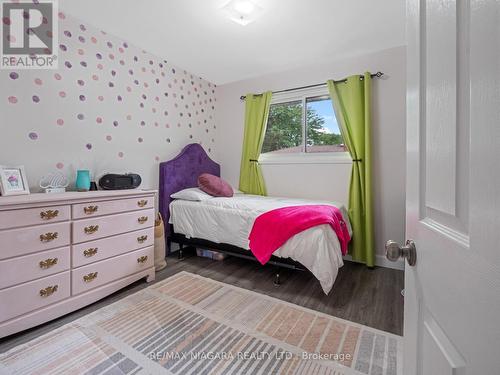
(273, 228)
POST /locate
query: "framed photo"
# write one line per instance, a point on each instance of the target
(13, 181)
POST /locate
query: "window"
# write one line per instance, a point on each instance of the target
(302, 122)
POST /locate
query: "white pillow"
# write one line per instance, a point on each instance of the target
(191, 194)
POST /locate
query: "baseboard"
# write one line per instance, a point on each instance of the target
(382, 261)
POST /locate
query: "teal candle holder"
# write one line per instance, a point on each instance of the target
(82, 180)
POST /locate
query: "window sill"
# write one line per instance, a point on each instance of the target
(306, 158)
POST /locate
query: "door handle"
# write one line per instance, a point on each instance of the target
(394, 251)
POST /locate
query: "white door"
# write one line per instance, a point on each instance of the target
(452, 301)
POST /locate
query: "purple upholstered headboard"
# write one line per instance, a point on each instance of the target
(181, 173)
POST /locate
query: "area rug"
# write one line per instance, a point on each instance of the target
(188, 324)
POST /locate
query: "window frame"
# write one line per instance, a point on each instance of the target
(303, 157)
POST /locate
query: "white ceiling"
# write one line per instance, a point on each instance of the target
(197, 36)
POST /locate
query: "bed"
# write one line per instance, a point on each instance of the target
(223, 224)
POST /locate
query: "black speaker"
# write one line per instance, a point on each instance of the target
(120, 181)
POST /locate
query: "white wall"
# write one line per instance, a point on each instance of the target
(109, 107)
(330, 181)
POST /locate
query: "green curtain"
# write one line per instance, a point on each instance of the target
(352, 104)
(256, 113)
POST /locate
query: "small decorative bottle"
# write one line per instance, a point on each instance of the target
(82, 180)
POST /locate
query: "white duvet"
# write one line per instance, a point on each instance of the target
(230, 220)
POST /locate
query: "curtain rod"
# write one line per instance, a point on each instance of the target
(375, 75)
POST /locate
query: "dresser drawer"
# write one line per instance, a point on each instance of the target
(90, 209)
(27, 297)
(30, 267)
(105, 226)
(15, 242)
(105, 271)
(33, 216)
(90, 252)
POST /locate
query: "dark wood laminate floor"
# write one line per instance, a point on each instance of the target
(367, 296)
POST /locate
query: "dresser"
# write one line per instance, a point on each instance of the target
(60, 252)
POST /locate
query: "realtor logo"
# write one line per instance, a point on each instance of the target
(29, 34)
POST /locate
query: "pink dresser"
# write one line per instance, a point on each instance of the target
(60, 252)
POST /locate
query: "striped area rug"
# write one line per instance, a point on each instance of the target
(189, 324)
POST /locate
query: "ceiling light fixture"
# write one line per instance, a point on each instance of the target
(242, 11)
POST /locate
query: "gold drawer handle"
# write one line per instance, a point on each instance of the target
(142, 219)
(91, 276)
(91, 229)
(142, 202)
(47, 263)
(47, 237)
(90, 252)
(142, 239)
(90, 210)
(48, 291)
(49, 214)
(142, 259)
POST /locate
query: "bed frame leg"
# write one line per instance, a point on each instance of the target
(181, 253)
(277, 281)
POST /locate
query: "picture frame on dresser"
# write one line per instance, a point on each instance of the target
(13, 181)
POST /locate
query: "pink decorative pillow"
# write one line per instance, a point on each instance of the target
(214, 185)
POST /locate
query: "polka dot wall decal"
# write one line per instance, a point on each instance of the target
(109, 138)
(129, 89)
(99, 66)
(115, 123)
(98, 120)
(122, 62)
(59, 165)
(83, 63)
(33, 136)
(83, 28)
(82, 98)
(57, 76)
(111, 56)
(68, 65)
(168, 140)
(14, 75)
(113, 73)
(62, 94)
(120, 154)
(11, 38)
(6, 21)
(121, 50)
(125, 44)
(81, 82)
(100, 98)
(98, 55)
(93, 40)
(109, 44)
(111, 84)
(60, 122)
(67, 33)
(157, 158)
(35, 99)
(80, 116)
(136, 59)
(89, 146)
(95, 77)
(38, 81)
(143, 123)
(63, 48)
(140, 140)
(119, 98)
(81, 52)
(129, 117)
(62, 15)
